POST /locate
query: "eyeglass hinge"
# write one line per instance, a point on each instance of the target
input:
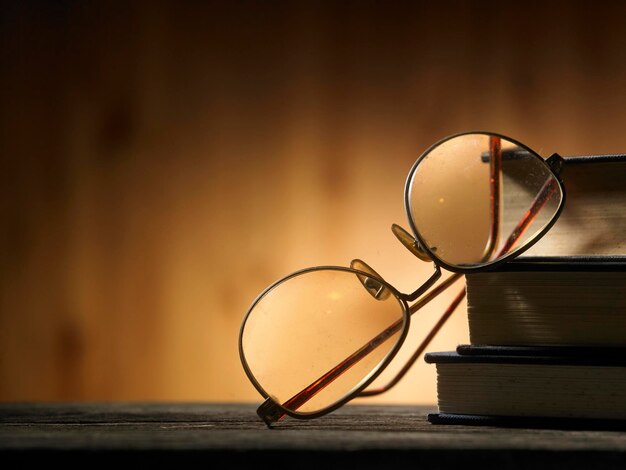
(555, 162)
(270, 412)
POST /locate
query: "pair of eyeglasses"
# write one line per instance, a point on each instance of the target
(317, 338)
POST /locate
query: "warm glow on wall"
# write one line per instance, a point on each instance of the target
(162, 164)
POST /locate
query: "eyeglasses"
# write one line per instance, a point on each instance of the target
(317, 338)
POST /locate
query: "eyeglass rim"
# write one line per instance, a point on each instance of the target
(493, 264)
(354, 392)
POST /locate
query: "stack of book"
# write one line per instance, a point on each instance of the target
(548, 331)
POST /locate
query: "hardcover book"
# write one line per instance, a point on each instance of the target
(484, 385)
(551, 301)
(593, 221)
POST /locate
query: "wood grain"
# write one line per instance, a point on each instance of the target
(361, 436)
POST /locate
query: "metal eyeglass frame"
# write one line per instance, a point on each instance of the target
(271, 411)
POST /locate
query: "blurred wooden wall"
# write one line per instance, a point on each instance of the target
(162, 162)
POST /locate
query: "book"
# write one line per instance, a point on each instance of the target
(585, 387)
(548, 329)
(548, 347)
(549, 301)
(593, 220)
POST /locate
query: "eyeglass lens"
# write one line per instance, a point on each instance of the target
(451, 204)
(306, 327)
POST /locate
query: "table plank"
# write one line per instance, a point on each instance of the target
(370, 436)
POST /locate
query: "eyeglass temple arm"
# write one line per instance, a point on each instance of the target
(495, 170)
(269, 412)
(545, 193)
(433, 332)
(555, 162)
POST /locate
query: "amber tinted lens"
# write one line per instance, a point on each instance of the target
(315, 337)
(468, 197)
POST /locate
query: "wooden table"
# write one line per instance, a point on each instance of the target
(355, 436)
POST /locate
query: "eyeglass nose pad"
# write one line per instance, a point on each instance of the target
(372, 285)
(411, 243)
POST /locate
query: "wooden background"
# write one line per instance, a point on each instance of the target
(162, 162)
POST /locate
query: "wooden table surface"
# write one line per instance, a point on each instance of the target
(359, 436)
